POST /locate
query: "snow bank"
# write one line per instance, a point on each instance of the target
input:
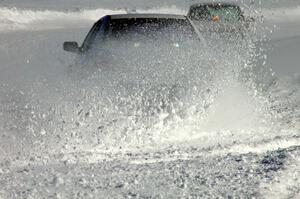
(15, 19)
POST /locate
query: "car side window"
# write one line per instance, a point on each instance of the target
(97, 31)
(88, 40)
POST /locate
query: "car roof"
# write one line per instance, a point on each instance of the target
(147, 16)
(215, 4)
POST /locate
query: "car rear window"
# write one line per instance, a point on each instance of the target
(224, 12)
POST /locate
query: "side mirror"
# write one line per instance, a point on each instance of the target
(71, 46)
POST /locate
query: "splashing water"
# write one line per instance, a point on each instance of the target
(203, 101)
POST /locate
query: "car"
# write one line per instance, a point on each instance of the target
(110, 34)
(219, 17)
(216, 12)
(148, 54)
(112, 25)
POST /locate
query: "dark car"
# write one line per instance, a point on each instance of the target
(219, 17)
(148, 54)
(149, 25)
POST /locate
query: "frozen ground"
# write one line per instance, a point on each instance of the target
(58, 142)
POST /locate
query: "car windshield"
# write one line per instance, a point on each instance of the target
(144, 30)
(225, 13)
(174, 30)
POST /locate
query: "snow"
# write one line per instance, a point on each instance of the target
(62, 137)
